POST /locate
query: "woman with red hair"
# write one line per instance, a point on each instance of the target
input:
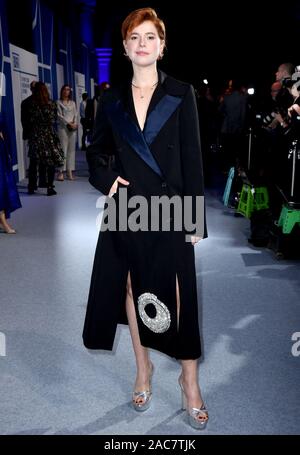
(44, 144)
(151, 123)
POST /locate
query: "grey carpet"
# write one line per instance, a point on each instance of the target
(50, 384)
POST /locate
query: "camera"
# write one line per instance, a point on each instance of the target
(287, 82)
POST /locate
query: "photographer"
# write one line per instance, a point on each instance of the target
(284, 98)
(269, 146)
(292, 131)
(290, 121)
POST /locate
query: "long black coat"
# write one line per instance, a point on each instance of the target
(163, 159)
(25, 116)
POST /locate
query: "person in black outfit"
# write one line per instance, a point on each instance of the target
(34, 170)
(152, 124)
(234, 109)
(44, 145)
(85, 119)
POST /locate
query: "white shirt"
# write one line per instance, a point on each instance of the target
(66, 113)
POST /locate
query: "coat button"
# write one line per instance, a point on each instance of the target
(164, 184)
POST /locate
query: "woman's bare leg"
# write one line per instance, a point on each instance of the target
(141, 353)
(189, 374)
(4, 223)
(190, 383)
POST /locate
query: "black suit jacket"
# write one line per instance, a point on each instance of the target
(171, 132)
(25, 121)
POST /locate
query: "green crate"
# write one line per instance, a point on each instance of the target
(288, 218)
(246, 201)
(261, 198)
(252, 199)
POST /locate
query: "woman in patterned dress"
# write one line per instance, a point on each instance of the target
(44, 144)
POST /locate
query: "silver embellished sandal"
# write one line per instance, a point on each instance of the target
(197, 417)
(145, 395)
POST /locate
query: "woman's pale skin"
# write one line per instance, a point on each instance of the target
(144, 47)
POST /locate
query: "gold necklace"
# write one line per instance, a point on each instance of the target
(140, 88)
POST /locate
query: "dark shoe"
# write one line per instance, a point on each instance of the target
(51, 192)
(30, 191)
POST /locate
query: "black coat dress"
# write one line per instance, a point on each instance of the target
(163, 159)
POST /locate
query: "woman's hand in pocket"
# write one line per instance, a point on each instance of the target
(114, 186)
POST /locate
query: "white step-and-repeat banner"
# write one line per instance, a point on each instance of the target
(24, 69)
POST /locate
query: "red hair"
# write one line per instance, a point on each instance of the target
(41, 94)
(139, 16)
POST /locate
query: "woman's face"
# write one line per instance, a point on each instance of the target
(143, 45)
(66, 92)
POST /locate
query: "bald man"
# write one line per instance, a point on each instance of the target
(285, 71)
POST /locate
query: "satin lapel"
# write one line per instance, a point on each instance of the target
(131, 133)
(159, 116)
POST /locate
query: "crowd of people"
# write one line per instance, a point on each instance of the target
(49, 130)
(157, 154)
(255, 135)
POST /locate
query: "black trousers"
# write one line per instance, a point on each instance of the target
(40, 171)
(85, 132)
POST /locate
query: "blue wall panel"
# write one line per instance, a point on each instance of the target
(43, 38)
(6, 102)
